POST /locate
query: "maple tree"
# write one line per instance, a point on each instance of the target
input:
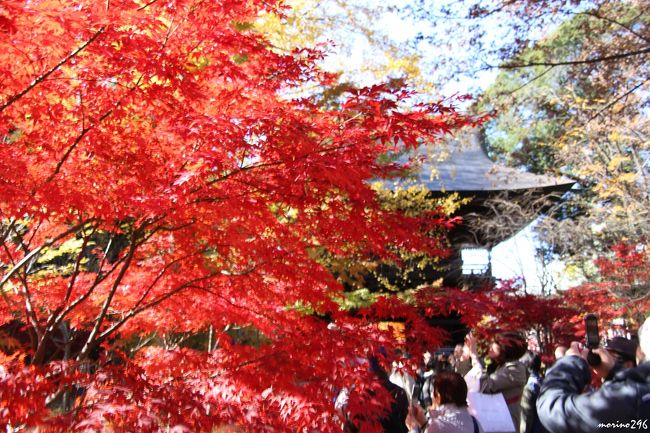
(491, 309)
(620, 291)
(158, 178)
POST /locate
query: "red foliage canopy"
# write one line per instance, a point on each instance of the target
(490, 310)
(622, 291)
(156, 176)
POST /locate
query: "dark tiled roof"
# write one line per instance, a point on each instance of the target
(463, 166)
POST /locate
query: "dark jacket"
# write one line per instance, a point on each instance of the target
(618, 406)
(529, 419)
(423, 390)
(394, 421)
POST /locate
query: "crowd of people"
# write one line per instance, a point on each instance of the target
(569, 396)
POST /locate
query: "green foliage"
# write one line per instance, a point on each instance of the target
(365, 278)
(416, 200)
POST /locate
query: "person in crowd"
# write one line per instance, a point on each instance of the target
(560, 351)
(400, 377)
(393, 421)
(460, 360)
(424, 381)
(449, 413)
(507, 374)
(621, 404)
(623, 350)
(454, 358)
(529, 420)
(443, 363)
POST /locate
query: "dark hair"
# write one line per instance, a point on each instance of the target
(377, 369)
(622, 349)
(451, 388)
(513, 345)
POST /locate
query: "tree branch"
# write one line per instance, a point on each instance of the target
(617, 23)
(52, 70)
(600, 59)
(37, 250)
(153, 303)
(537, 77)
(30, 313)
(632, 90)
(272, 164)
(100, 278)
(109, 298)
(146, 5)
(75, 269)
(85, 130)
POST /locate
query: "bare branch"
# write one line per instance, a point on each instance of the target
(599, 59)
(537, 77)
(594, 14)
(146, 5)
(624, 95)
(26, 259)
(109, 298)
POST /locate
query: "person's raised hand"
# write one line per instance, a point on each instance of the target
(577, 349)
(607, 362)
(470, 340)
(415, 417)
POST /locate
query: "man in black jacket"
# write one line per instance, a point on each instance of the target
(622, 404)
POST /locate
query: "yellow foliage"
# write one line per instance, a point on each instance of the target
(616, 162)
(68, 247)
(198, 64)
(404, 66)
(627, 178)
(415, 200)
(296, 29)
(615, 136)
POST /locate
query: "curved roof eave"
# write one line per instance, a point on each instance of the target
(463, 166)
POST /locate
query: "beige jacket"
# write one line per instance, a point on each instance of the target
(510, 380)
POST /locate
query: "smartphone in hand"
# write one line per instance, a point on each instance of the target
(592, 339)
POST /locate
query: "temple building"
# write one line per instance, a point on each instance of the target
(463, 167)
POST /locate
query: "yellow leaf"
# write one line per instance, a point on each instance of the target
(627, 178)
(616, 162)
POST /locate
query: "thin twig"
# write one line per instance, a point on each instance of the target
(51, 70)
(632, 90)
(109, 298)
(600, 59)
(37, 250)
(613, 21)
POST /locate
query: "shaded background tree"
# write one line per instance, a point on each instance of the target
(575, 102)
